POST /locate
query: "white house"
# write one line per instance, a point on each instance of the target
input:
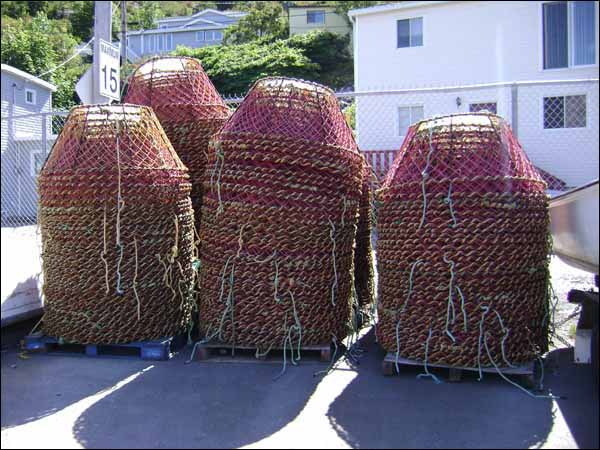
(533, 62)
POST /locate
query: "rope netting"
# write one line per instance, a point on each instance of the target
(117, 229)
(463, 247)
(364, 268)
(188, 107)
(279, 216)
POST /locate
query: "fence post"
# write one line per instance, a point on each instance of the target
(45, 134)
(514, 103)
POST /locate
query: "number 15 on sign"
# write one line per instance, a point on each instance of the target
(109, 71)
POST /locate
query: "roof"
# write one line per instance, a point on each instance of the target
(178, 29)
(204, 11)
(392, 7)
(28, 77)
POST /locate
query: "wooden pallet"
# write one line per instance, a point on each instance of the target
(214, 348)
(525, 371)
(159, 350)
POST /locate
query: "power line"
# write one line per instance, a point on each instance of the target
(67, 60)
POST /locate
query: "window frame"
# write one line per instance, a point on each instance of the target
(422, 17)
(308, 12)
(570, 94)
(570, 43)
(410, 107)
(483, 102)
(33, 93)
(203, 36)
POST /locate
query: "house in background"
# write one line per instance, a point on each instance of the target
(25, 141)
(533, 62)
(198, 30)
(304, 19)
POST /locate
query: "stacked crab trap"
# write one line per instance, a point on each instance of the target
(463, 249)
(280, 211)
(364, 268)
(188, 107)
(117, 230)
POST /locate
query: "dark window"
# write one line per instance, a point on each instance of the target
(489, 107)
(556, 37)
(565, 112)
(315, 16)
(410, 32)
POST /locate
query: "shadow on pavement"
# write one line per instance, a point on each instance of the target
(203, 404)
(400, 411)
(578, 388)
(41, 385)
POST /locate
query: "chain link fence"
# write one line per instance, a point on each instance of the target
(555, 121)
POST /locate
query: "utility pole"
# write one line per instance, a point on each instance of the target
(102, 30)
(123, 33)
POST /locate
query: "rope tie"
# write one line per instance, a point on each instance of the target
(450, 311)
(427, 373)
(424, 175)
(135, 274)
(448, 201)
(103, 254)
(335, 281)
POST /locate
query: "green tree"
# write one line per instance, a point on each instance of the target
(82, 19)
(264, 21)
(39, 45)
(147, 14)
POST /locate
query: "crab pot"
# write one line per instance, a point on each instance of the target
(279, 216)
(463, 247)
(188, 107)
(364, 269)
(117, 229)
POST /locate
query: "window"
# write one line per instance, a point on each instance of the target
(169, 41)
(410, 32)
(37, 162)
(199, 35)
(30, 96)
(218, 35)
(565, 112)
(489, 107)
(569, 34)
(159, 42)
(209, 35)
(408, 115)
(315, 16)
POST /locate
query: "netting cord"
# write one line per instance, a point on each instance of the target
(450, 309)
(425, 174)
(219, 163)
(135, 274)
(120, 206)
(427, 373)
(332, 362)
(335, 281)
(103, 254)
(518, 386)
(485, 310)
(448, 201)
(505, 331)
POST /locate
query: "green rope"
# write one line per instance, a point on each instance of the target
(427, 373)
(462, 307)
(335, 282)
(425, 174)
(332, 362)
(505, 331)
(450, 309)
(397, 362)
(550, 396)
(485, 311)
(448, 201)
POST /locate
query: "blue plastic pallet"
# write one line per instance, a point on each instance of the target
(159, 350)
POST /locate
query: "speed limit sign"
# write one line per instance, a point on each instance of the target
(109, 77)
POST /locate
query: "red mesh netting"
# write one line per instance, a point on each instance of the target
(188, 107)
(117, 229)
(279, 220)
(463, 246)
